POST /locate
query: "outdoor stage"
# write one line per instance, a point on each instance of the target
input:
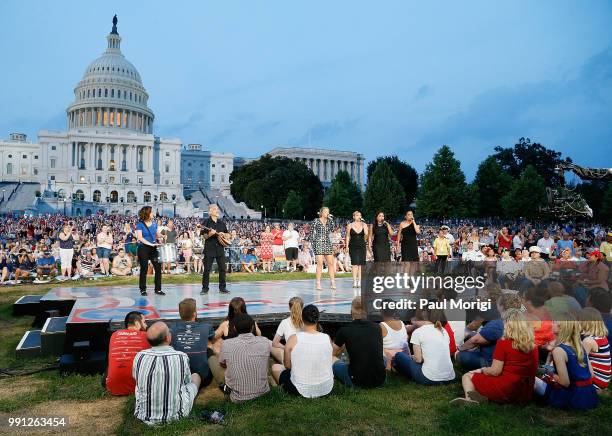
(265, 300)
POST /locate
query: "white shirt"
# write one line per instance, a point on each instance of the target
(516, 242)
(294, 239)
(286, 329)
(546, 244)
(395, 339)
(473, 255)
(434, 343)
(311, 365)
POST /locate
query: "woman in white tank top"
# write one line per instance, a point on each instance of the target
(311, 364)
(395, 336)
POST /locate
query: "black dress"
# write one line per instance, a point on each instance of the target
(380, 245)
(357, 248)
(410, 251)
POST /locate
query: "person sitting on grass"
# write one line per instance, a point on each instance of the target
(287, 328)
(248, 260)
(571, 386)
(307, 367)
(395, 336)
(430, 363)
(122, 264)
(511, 376)
(596, 345)
(192, 338)
(245, 362)
(86, 264)
(363, 342)
(123, 346)
(226, 329)
(45, 264)
(601, 300)
(165, 388)
(24, 263)
(477, 351)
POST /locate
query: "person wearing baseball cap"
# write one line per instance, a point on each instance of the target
(594, 275)
(536, 270)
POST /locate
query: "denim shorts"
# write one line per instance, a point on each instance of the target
(103, 253)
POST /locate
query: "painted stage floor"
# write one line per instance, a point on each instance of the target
(111, 303)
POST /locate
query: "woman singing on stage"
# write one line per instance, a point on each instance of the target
(147, 234)
(356, 235)
(379, 239)
(320, 237)
(406, 238)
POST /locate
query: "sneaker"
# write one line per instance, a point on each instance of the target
(76, 277)
(224, 291)
(204, 292)
(160, 292)
(143, 293)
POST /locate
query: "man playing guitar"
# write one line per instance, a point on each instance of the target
(213, 229)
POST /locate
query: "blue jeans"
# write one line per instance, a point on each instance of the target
(469, 360)
(341, 372)
(404, 364)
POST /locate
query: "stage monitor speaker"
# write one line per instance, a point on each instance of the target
(81, 350)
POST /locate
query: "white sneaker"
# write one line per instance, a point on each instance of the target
(76, 277)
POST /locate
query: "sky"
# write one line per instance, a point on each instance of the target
(378, 78)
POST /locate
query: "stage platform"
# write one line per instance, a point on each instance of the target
(266, 300)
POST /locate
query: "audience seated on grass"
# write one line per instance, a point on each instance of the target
(511, 376)
(307, 368)
(192, 338)
(560, 305)
(601, 300)
(288, 327)
(363, 342)
(596, 345)
(571, 386)
(46, 264)
(165, 388)
(123, 346)
(430, 362)
(544, 337)
(245, 359)
(122, 264)
(395, 336)
(477, 351)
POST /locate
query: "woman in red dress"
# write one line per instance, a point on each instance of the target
(511, 377)
(266, 255)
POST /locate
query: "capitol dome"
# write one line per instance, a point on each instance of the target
(111, 94)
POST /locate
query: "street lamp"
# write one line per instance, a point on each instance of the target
(264, 211)
(174, 208)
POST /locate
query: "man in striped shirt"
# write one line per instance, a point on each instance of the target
(165, 389)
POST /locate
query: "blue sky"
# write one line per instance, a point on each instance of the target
(393, 77)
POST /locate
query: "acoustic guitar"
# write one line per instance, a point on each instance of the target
(222, 238)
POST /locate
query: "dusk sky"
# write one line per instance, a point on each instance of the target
(378, 78)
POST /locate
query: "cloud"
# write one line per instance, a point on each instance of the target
(569, 115)
(321, 134)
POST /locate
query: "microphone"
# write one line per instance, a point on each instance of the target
(330, 215)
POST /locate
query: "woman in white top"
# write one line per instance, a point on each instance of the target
(430, 363)
(104, 241)
(307, 370)
(395, 336)
(287, 328)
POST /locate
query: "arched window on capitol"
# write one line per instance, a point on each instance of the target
(147, 197)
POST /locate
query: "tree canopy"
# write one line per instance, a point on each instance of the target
(405, 174)
(268, 180)
(490, 184)
(343, 196)
(526, 195)
(383, 193)
(443, 191)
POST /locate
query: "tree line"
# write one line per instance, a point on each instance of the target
(509, 183)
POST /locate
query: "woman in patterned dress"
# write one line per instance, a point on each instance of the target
(320, 238)
(266, 255)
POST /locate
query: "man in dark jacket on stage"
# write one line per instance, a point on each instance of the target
(214, 228)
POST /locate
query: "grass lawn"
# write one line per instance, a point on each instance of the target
(400, 407)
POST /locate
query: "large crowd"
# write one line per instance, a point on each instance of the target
(545, 337)
(56, 247)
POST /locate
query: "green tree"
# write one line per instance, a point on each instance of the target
(526, 195)
(267, 181)
(343, 196)
(405, 174)
(491, 183)
(605, 212)
(383, 193)
(514, 160)
(443, 191)
(292, 207)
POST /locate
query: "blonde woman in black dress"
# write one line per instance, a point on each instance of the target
(320, 238)
(356, 235)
